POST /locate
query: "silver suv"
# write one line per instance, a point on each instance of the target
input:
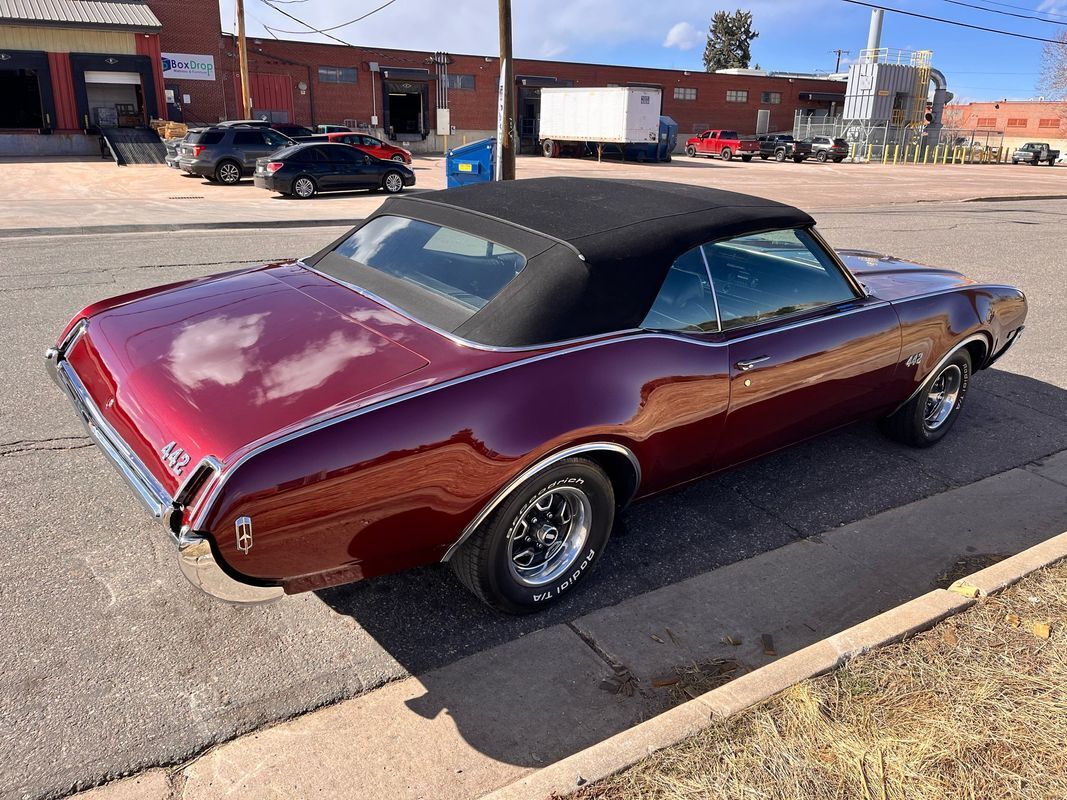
(225, 154)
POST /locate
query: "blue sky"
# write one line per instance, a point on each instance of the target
(794, 34)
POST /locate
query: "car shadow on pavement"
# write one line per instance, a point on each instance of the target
(428, 623)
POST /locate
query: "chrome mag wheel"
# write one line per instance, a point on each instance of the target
(229, 173)
(304, 187)
(942, 396)
(393, 182)
(549, 536)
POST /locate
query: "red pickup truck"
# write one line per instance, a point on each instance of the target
(724, 144)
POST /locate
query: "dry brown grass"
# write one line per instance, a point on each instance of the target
(975, 709)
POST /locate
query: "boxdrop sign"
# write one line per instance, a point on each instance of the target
(188, 66)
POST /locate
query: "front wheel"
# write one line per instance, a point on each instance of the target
(746, 159)
(926, 418)
(393, 183)
(540, 541)
(691, 151)
(398, 158)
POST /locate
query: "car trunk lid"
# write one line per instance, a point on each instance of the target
(215, 366)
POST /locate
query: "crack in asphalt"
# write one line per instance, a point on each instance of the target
(768, 511)
(21, 446)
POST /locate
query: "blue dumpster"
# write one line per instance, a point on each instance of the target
(655, 151)
(471, 163)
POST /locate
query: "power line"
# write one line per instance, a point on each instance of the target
(310, 28)
(323, 31)
(1023, 8)
(1005, 13)
(955, 22)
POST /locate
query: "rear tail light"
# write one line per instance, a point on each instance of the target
(197, 149)
(274, 166)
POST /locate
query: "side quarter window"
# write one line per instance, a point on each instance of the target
(773, 274)
(685, 301)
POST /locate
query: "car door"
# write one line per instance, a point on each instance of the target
(374, 147)
(808, 350)
(709, 142)
(353, 168)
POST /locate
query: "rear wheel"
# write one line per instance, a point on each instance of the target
(797, 159)
(393, 182)
(839, 159)
(821, 156)
(550, 148)
(726, 154)
(541, 540)
(764, 156)
(304, 187)
(926, 418)
(228, 172)
(691, 151)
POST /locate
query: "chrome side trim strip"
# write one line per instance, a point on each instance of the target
(714, 294)
(977, 337)
(528, 473)
(267, 444)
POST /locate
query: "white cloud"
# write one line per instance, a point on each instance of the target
(215, 349)
(683, 36)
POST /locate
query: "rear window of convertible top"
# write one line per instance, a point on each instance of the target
(438, 275)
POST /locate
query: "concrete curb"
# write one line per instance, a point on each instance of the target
(91, 230)
(1013, 197)
(628, 747)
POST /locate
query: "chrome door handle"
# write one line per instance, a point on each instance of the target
(745, 366)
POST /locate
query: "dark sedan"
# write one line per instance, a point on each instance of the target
(304, 170)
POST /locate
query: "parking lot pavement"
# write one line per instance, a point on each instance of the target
(79, 194)
(114, 664)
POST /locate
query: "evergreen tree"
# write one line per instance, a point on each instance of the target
(729, 41)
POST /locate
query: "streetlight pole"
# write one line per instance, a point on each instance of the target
(242, 58)
(505, 134)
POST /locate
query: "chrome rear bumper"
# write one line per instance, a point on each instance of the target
(196, 557)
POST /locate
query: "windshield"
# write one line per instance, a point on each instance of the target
(439, 275)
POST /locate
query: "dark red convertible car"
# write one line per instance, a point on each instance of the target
(485, 375)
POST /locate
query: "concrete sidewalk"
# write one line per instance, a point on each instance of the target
(86, 195)
(482, 722)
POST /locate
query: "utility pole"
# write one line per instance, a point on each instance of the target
(242, 58)
(837, 66)
(505, 134)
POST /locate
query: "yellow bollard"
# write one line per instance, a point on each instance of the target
(885, 153)
(896, 150)
(870, 150)
(944, 156)
(918, 148)
(926, 155)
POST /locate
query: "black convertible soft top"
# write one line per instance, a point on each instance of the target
(597, 250)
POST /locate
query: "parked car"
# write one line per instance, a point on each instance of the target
(781, 146)
(724, 144)
(1035, 153)
(294, 132)
(370, 144)
(825, 148)
(173, 154)
(307, 168)
(332, 129)
(243, 123)
(225, 154)
(485, 375)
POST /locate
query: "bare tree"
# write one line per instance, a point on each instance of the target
(1055, 67)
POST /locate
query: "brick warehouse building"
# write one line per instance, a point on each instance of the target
(1020, 121)
(194, 78)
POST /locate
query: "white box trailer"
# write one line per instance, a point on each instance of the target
(598, 116)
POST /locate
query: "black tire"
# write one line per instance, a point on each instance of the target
(821, 156)
(304, 187)
(726, 154)
(211, 179)
(485, 563)
(228, 172)
(393, 182)
(746, 159)
(779, 156)
(798, 159)
(691, 151)
(911, 423)
(550, 148)
(839, 160)
(764, 156)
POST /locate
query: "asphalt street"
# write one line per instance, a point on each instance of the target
(112, 663)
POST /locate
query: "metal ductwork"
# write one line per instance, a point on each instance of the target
(874, 34)
(942, 97)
